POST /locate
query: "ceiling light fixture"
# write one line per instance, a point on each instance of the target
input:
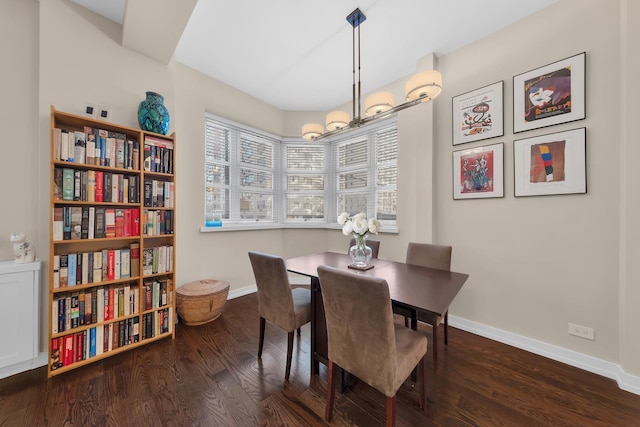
(422, 87)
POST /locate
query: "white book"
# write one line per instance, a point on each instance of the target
(54, 317)
(99, 340)
(110, 338)
(56, 273)
(100, 305)
(125, 263)
(64, 146)
(85, 268)
(127, 300)
(92, 221)
(116, 264)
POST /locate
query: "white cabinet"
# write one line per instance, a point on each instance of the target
(19, 317)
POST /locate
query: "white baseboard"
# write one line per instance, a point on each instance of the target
(235, 293)
(27, 365)
(607, 369)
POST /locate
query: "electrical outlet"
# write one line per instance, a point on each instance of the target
(581, 331)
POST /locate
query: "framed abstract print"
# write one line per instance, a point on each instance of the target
(550, 164)
(479, 172)
(478, 114)
(550, 95)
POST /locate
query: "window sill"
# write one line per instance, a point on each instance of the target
(275, 226)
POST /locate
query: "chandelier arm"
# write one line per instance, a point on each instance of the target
(358, 122)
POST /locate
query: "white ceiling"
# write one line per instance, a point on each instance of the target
(297, 54)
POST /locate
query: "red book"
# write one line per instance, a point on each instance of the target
(56, 360)
(99, 186)
(110, 265)
(105, 341)
(67, 355)
(119, 222)
(78, 349)
(112, 314)
(128, 225)
(135, 221)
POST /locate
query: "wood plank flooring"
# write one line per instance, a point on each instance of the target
(210, 376)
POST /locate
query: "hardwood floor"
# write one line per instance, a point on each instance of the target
(209, 376)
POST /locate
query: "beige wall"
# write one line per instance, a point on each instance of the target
(535, 263)
(538, 263)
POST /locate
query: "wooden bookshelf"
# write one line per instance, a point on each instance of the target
(111, 241)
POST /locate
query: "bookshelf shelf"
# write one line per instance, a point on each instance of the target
(112, 220)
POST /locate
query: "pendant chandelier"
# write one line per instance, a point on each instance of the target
(422, 87)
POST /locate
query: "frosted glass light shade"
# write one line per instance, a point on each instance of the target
(337, 120)
(427, 85)
(311, 130)
(378, 102)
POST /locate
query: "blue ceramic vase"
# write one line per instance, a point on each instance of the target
(153, 116)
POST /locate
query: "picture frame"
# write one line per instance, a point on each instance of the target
(478, 114)
(550, 95)
(551, 164)
(478, 173)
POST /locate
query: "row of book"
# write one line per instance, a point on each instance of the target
(157, 260)
(156, 223)
(76, 347)
(157, 293)
(98, 147)
(94, 305)
(158, 194)
(158, 155)
(97, 266)
(92, 342)
(95, 186)
(94, 222)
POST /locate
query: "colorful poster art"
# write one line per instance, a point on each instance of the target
(547, 162)
(551, 164)
(478, 114)
(478, 172)
(548, 95)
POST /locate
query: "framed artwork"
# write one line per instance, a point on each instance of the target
(478, 172)
(550, 95)
(551, 164)
(478, 114)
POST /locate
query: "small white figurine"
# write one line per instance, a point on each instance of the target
(23, 250)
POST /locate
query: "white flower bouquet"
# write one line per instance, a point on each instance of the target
(358, 224)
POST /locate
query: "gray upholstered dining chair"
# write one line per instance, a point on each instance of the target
(278, 303)
(373, 244)
(432, 256)
(363, 338)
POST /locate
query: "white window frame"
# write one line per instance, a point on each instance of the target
(280, 173)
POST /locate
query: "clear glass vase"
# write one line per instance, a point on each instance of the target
(360, 253)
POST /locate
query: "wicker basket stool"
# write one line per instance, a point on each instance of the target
(201, 301)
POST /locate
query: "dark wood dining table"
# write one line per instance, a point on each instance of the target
(416, 287)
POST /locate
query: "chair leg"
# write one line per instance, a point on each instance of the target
(331, 391)
(299, 332)
(261, 342)
(446, 328)
(435, 341)
(391, 411)
(423, 381)
(406, 322)
(289, 353)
